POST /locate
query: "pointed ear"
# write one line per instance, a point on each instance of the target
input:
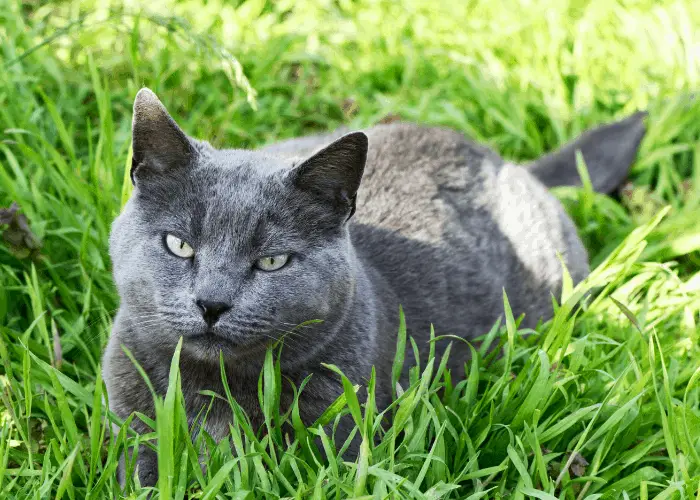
(158, 143)
(608, 151)
(333, 174)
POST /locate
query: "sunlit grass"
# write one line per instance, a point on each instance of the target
(601, 402)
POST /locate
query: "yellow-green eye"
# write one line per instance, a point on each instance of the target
(178, 247)
(272, 263)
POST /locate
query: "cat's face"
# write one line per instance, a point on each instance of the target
(233, 250)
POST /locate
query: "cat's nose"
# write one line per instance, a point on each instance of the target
(212, 310)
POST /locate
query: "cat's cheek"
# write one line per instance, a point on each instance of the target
(317, 304)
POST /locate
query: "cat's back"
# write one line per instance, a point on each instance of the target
(433, 185)
(411, 171)
(421, 180)
(449, 223)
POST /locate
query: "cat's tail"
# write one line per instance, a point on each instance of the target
(608, 152)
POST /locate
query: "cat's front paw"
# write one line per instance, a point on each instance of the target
(146, 468)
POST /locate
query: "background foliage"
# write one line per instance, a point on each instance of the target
(601, 403)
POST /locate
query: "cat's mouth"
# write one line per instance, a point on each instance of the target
(213, 340)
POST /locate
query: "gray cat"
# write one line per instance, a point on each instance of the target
(231, 249)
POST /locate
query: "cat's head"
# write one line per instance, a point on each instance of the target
(232, 249)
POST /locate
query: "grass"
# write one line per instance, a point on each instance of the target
(602, 402)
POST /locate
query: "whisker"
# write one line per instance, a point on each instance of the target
(291, 333)
(294, 326)
(295, 349)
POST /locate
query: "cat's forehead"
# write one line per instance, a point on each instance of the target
(239, 185)
(232, 198)
(247, 161)
(239, 168)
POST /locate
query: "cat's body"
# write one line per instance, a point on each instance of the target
(442, 227)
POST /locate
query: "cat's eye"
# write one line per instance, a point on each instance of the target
(179, 248)
(272, 262)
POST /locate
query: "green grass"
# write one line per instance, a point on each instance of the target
(602, 402)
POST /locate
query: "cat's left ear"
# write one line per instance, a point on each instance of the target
(333, 174)
(159, 145)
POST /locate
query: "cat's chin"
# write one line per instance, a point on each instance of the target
(208, 346)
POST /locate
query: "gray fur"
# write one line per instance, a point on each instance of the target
(442, 227)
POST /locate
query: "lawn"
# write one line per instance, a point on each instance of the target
(601, 402)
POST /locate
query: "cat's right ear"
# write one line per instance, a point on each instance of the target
(159, 145)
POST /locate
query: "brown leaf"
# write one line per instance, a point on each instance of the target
(390, 118)
(17, 234)
(578, 465)
(350, 107)
(296, 72)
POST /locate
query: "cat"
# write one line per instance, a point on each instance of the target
(232, 249)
